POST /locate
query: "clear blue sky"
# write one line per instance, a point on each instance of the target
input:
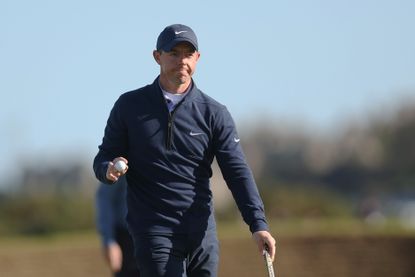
(64, 63)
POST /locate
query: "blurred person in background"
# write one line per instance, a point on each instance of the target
(117, 243)
(169, 132)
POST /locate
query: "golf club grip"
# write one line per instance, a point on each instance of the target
(268, 263)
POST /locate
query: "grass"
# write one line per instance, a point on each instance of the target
(295, 227)
(78, 254)
(347, 226)
(58, 240)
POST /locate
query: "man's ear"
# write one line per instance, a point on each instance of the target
(156, 56)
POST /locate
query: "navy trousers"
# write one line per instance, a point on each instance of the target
(177, 255)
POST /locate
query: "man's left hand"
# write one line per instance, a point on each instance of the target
(264, 240)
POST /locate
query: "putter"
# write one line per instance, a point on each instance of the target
(268, 262)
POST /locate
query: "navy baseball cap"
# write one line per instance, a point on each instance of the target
(173, 34)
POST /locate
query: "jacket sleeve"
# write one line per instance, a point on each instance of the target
(105, 219)
(236, 172)
(114, 142)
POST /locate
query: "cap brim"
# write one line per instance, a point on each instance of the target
(168, 47)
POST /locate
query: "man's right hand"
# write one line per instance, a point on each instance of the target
(114, 256)
(112, 173)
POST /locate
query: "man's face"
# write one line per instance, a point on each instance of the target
(178, 65)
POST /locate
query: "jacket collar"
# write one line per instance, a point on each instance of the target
(191, 94)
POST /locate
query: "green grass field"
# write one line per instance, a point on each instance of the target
(305, 248)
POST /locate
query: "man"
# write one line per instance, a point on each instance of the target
(169, 133)
(111, 209)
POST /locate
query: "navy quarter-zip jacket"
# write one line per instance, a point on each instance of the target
(169, 157)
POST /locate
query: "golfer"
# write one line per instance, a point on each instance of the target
(168, 133)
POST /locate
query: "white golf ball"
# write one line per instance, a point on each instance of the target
(120, 166)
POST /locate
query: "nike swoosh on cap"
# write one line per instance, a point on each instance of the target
(236, 139)
(179, 32)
